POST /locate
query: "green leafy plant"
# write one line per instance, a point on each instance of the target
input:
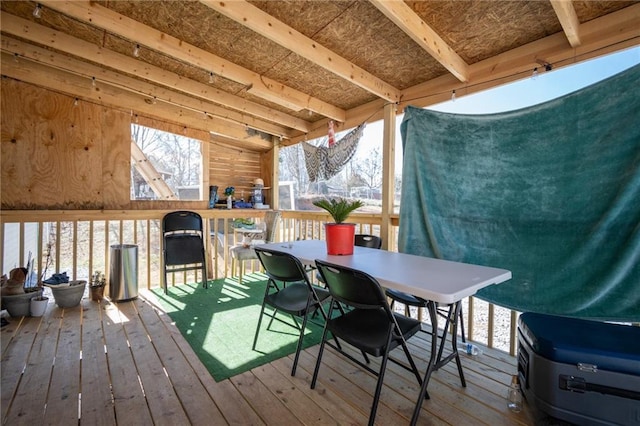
(339, 209)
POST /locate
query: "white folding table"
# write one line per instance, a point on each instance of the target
(437, 281)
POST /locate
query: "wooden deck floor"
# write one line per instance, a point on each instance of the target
(125, 363)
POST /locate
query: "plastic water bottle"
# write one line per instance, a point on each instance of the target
(472, 349)
(514, 397)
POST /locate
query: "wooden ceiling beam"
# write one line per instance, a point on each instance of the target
(267, 26)
(568, 19)
(406, 19)
(244, 111)
(104, 94)
(101, 17)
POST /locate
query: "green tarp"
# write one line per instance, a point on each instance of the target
(550, 192)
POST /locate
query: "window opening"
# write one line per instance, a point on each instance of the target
(165, 166)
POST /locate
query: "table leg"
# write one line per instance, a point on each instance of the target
(431, 308)
(453, 319)
(435, 358)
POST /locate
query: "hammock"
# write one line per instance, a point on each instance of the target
(325, 162)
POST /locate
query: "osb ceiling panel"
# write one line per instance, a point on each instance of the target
(478, 30)
(588, 10)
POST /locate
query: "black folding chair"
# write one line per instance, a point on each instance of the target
(295, 296)
(369, 325)
(183, 244)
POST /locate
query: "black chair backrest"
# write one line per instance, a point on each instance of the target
(371, 241)
(182, 221)
(352, 287)
(183, 241)
(281, 266)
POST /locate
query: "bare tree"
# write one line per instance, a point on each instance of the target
(293, 167)
(369, 169)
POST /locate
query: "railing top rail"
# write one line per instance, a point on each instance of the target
(23, 216)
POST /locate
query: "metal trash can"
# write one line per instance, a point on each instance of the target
(123, 275)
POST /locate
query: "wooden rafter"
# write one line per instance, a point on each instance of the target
(93, 14)
(568, 19)
(407, 20)
(150, 174)
(267, 26)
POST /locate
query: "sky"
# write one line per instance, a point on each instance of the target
(531, 91)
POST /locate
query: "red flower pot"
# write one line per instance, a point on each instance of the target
(340, 238)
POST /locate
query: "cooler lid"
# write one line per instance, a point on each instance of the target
(611, 347)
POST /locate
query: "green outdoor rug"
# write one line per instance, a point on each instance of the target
(220, 322)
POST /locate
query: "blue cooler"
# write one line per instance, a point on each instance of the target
(582, 371)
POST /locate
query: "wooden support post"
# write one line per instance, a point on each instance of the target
(388, 173)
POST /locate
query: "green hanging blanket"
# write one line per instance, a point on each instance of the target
(550, 192)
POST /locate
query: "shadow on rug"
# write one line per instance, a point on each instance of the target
(219, 323)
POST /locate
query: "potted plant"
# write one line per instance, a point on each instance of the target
(339, 235)
(17, 292)
(38, 305)
(96, 287)
(66, 293)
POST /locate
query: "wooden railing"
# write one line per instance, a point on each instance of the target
(79, 242)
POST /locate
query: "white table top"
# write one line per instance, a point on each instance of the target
(441, 281)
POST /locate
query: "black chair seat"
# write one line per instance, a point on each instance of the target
(293, 298)
(368, 329)
(405, 298)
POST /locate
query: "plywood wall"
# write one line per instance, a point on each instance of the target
(59, 155)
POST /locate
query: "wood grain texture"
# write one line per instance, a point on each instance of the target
(127, 348)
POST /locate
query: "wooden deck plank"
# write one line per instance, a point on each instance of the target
(8, 332)
(190, 391)
(19, 337)
(298, 403)
(399, 381)
(339, 409)
(64, 390)
(130, 403)
(162, 400)
(490, 400)
(461, 410)
(31, 395)
(270, 409)
(95, 385)
(352, 382)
